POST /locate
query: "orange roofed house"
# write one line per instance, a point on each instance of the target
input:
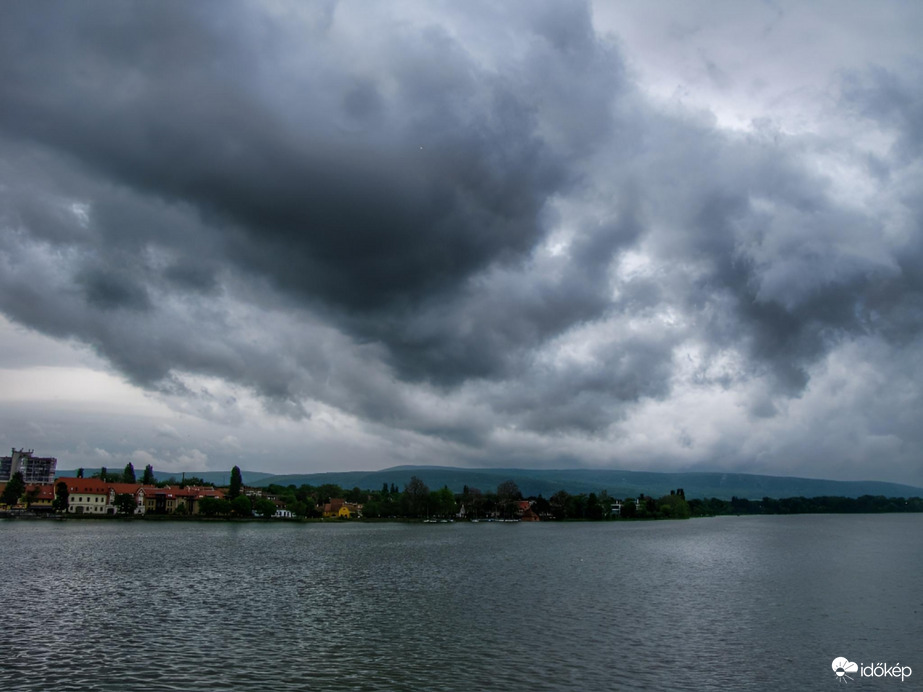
(340, 508)
(36, 497)
(526, 513)
(93, 496)
(86, 495)
(170, 500)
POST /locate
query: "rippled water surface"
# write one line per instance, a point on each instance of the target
(728, 603)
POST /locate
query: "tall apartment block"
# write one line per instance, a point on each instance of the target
(34, 469)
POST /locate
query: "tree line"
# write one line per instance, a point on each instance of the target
(416, 500)
(128, 475)
(866, 504)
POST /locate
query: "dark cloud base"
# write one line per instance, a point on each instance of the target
(211, 190)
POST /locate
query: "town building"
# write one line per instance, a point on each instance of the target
(39, 497)
(35, 497)
(94, 496)
(525, 512)
(35, 470)
(340, 508)
(175, 500)
(87, 495)
(136, 490)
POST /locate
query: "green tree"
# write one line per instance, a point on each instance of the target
(372, 509)
(265, 508)
(61, 496)
(241, 507)
(236, 484)
(541, 506)
(148, 477)
(213, 506)
(559, 504)
(80, 472)
(327, 491)
(125, 503)
(576, 506)
(416, 497)
(507, 496)
(208, 506)
(104, 475)
(673, 506)
(508, 490)
(128, 475)
(445, 502)
(31, 496)
(474, 506)
(14, 490)
(196, 482)
(594, 510)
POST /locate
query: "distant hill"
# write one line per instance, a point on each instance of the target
(547, 482)
(618, 483)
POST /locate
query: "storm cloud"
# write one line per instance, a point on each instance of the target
(475, 233)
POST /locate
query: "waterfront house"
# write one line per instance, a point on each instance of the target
(351, 510)
(192, 495)
(86, 495)
(36, 497)
(341, 509)
(170, 500)
(39, 497)
(136, 490)
(159, 500)
(332, 508)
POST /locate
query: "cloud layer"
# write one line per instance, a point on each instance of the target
(474, 233)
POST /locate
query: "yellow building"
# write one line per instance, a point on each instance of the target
(341, 509)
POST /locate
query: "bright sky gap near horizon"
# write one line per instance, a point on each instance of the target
(320, 236)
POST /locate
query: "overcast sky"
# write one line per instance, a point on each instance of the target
(315, 236)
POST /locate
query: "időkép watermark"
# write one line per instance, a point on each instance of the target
(842, 667)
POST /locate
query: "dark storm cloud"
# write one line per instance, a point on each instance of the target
(435, 210)
(109, 289)
(335, 193)
(452, 177)
(769, 242)
(893, 100)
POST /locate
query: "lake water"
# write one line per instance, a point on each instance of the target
(732, 603)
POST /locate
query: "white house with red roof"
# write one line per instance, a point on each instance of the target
(86, 495)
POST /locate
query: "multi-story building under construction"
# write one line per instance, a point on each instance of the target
(34, 469)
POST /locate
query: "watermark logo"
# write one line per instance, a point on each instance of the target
(842, 667)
